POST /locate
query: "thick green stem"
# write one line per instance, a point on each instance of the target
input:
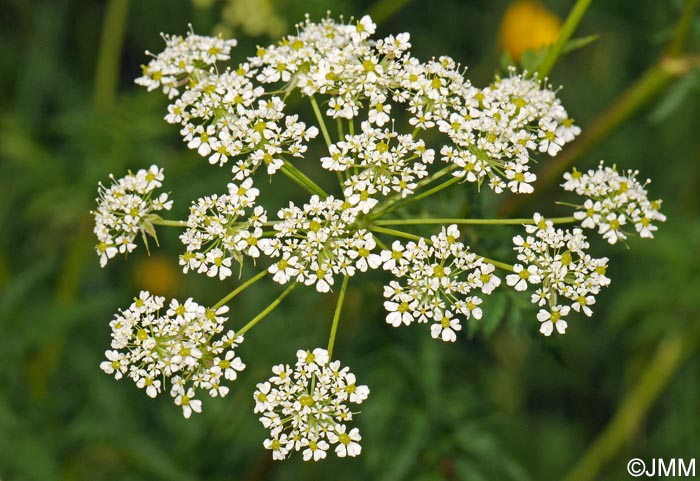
(669, 356)
(567, 31)
(500, 265)
(336, 316)
(267, 310)
(107, 73)
(527, 220)
(680, 35)
(301, 179)
(169, 223)
(240, 289)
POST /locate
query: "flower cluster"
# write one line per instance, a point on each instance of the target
(306, 408)
(382, 101)
(125, 209)
(224, 116)
(183, 61)
(614, 200)
(556, 261)
(384, 162)
(493, 130)
(221, 228)
(496, 128)
(319, 241)
(439, 278)
(149, 346)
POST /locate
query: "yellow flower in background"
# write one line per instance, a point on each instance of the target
(158, 274)
(527, 25)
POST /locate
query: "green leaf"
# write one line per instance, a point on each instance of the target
(531, 60)
(675, 97)
(579, 42)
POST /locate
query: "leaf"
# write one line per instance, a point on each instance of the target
(675, 97)
(578, 43)
(531, 59)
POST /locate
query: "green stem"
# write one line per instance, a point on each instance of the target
(267, 310)
(341, 131)
(111, 41)
(169, 223)
(567, 31)
(379, 242)
(321, 122)
(680, 35)
(336, 316)
(300, 178)
(527, 220)
(324, 131)
(389, 203)
(500, 265)
(420, 196)
(669, 356)
(395, 233)
(240, 289)
(406, 235)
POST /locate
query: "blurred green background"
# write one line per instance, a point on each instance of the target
(502, 403)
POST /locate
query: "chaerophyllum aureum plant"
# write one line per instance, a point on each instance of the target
(239, 120)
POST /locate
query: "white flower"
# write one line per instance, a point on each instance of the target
(188, 403)
(553, 319)
(556, 260)
(614, 200)
(123, 211)
(445, 327)
(522, 276)
(347, 443)
(306, 409)
(150, 347)
(439, 277)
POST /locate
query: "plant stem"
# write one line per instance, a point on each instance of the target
(668, 357)
(567, 31)
(406, 235)
(341, 131)
(422, 195)
(395, 233)
(111, 41)
(240, 289)
(302, 179)
(267, 310)
(169, 223)
(500, 265)
(321, 122)
(527, 220)
(379, 242)
(389, 204)
(680, 35)
(336, 316)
